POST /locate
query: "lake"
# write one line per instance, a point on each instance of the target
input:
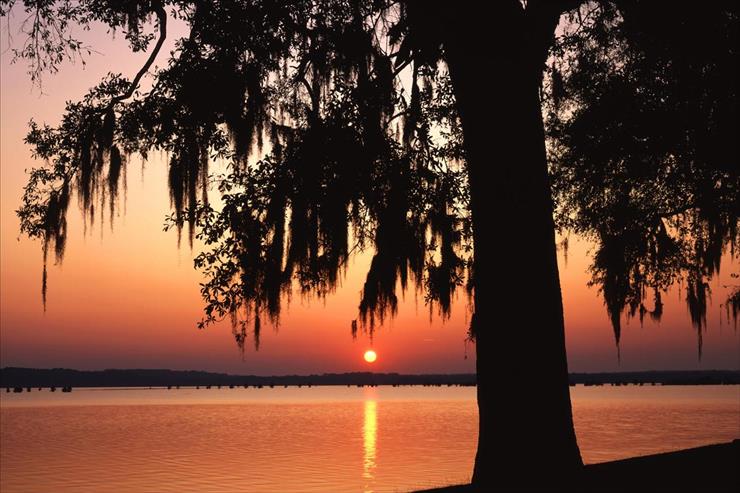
(312, 439)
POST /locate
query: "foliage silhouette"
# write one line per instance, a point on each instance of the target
(349, 125)
(643, 155)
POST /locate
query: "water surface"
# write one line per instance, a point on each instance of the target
(312, 439)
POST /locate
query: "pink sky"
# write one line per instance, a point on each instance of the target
(127, 297)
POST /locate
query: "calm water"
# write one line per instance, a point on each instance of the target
(312, 439)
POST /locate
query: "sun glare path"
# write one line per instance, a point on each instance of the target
(370, 435)
(370, 356)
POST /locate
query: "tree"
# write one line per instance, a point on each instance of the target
(417, 129)
(643, 159)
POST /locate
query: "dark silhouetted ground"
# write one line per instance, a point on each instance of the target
(709, 469)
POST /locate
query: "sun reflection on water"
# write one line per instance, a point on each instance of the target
(370, 435)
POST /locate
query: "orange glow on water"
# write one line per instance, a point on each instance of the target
(320, 439)
(370, 436)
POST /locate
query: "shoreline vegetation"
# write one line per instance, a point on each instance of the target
(13, 377)
(710, 468)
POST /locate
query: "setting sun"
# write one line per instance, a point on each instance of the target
(370, 356)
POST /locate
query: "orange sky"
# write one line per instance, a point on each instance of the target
(127, 297)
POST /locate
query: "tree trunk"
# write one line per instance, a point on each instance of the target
(526, 437)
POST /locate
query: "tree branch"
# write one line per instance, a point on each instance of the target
(314, 97)
(162, 21)
(397, 115)
(158, 9)
(542, 17)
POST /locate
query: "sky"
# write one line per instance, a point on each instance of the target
(125, 296)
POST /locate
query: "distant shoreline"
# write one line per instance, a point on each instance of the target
(11, 377)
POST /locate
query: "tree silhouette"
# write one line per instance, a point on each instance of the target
(643, 155)
(416, 129)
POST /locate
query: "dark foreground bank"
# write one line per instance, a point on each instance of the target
(713, 468)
